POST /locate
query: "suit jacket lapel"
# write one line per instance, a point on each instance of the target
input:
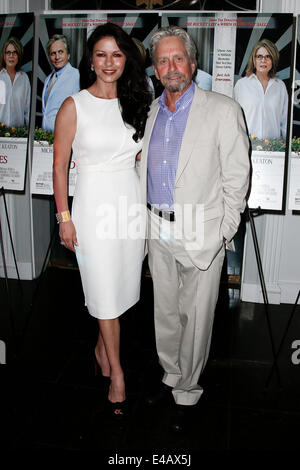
(144, 160)
(192, 129)
(44, 89)
(150, 123)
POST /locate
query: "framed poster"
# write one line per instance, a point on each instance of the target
(73, 30)
(247, 56)
(154, 4)
(294, 188)
(16, 52)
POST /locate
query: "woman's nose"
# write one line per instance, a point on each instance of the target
(108, 59)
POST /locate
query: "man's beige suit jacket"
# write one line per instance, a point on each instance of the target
(212, 176)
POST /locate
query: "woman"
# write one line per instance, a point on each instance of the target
(14, 85)
(104, 124)
(262, 95)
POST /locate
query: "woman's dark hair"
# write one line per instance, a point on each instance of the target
(132, 87)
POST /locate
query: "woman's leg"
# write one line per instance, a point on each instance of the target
(110, 330)
(101, 355)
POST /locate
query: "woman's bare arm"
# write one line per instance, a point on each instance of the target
(64, 133)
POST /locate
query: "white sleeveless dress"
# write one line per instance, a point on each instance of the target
(106, 207)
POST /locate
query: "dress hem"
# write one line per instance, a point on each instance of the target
(112, 317)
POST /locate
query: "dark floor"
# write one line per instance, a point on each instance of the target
(51, 398)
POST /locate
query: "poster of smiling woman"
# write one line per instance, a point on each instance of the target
(16, 51)
(248, 57)
(61, 45)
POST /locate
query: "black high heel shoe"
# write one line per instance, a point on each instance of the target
(119, 409)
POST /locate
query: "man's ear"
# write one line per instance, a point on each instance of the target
(155, 72)
(194, 67)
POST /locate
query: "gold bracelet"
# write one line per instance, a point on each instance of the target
(63, 216)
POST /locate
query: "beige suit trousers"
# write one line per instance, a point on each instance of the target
(185, 298)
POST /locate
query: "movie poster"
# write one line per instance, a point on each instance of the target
(153, 5)
(247, 56)
(75, 28)
(16, 52)
(294, 189)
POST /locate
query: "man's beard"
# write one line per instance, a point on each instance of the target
(174, 87)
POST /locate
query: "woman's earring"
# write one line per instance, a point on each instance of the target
(92, 68)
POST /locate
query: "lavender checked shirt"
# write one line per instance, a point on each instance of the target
(164, 148)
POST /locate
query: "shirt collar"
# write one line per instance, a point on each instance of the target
(60, 71)
(182, 102)
(254, 77)
(3, 70)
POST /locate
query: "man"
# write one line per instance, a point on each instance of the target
(194, 174)
(61, 83)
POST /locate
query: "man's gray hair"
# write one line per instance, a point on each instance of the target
(173, 31)
(58, 37)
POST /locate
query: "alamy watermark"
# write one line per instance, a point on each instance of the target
(130, 221)
(295, 357)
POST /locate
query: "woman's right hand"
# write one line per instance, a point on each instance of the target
(64, 133)
(67, 235)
